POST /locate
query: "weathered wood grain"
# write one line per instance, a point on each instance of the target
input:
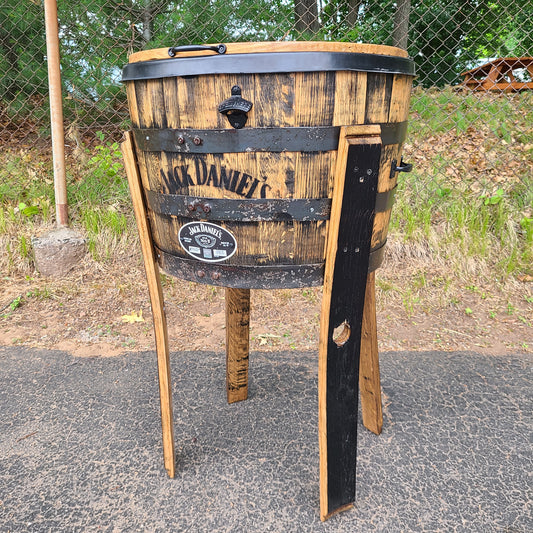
(279, 100)
(278, 46)
(237, 343)
(345, 274)
(157, 303)
(358, 102)
(369, 377)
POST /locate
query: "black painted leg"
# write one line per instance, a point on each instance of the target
(347, 294)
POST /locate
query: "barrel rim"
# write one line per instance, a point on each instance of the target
(276, 46)
(268, 63)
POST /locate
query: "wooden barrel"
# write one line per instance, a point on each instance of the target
(237, 147)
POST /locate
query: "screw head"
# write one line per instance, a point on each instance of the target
(197, 141)
(181, 140)
(215, 276)
(200, 274)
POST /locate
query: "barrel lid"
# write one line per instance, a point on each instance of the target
(267, 57)
(277, 46)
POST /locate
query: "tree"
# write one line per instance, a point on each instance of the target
(306, 17)
(449, 36)
(400, 34)
(443, 36)
(22, 52)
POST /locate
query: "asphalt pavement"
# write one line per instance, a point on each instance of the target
(80, 446)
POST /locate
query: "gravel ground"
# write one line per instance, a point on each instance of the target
(80, 445)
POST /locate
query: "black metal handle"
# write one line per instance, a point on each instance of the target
(402, 167)
(235, 108)
(219, 49)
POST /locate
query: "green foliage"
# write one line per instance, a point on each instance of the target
(470, 226)
(99, 199)
(445, 36)
(28, 210)
(526, 223)
(107, 163)
(22, 50)
(96, 220)
(470, 197)
(24, 246)
(495, 199)
(15, 303)
(103, 181)
(26, 187)
(437, 33)
(438, 111)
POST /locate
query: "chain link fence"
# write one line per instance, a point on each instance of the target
(444, 37)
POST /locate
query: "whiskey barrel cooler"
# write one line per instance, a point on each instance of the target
(237, 145)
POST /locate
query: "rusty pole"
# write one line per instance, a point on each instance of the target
(56, 111)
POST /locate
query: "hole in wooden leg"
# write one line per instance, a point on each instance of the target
(341, 334)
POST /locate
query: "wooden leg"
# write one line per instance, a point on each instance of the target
(369, 379)
(156, 298)
(345, 276)
(237, 343)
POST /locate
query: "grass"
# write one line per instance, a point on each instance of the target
(470, 194)
(465, 221)
(469, 197)
(441, 111)
(98, 201)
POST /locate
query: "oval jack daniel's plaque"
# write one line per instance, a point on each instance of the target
(207, 242)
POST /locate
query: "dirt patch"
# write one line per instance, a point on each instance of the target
(102, 311)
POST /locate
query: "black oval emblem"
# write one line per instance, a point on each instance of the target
(207, 242)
